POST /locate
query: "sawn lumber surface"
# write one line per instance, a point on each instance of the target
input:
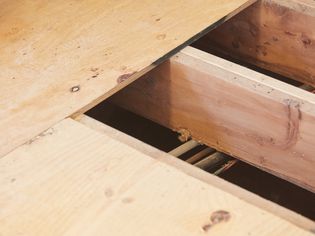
(238, 111)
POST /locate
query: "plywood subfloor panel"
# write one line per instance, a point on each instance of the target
(73, 180)
(61, 57)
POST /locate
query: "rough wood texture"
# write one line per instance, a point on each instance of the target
(61, 57)
(276, 35)
(92, 184)
(198, 174)
(236, 110)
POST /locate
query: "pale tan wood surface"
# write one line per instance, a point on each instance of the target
(73, 180)
(61, 57)
(246, 114)
(278, 35)
(203, 176)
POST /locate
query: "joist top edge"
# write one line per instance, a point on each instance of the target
(253, 80)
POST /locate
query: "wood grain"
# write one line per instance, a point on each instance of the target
(243, 113)
(196, 173)
(90, 184)
(63, 57)
(275, 35)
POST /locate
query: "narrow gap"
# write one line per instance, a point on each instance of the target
(156, 135)
(242, 174)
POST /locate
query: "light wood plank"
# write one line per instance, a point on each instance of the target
(62, 57)
(275, 35)
(72, 180)
(246, 114)
(203, 176)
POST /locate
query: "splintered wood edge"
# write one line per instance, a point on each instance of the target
(199, 174)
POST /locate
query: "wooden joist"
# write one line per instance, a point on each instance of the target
(81, 177)
(246, 114)
(73, 180)
(272, 34)
(63, 57)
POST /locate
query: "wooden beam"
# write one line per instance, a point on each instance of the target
(61, 58)
(106, 183)
(276, 35)
(238, 111)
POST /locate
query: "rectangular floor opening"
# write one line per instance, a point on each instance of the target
(244, 43)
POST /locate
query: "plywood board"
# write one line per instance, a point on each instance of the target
(73, 180)
(62, 57)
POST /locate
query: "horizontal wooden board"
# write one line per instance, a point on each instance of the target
(62, 57)
(196, 173)
(73, 180)
(246, 114)
(275, 35)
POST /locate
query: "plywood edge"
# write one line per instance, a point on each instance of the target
(199, 174)
(61, 58)
(162, 59)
